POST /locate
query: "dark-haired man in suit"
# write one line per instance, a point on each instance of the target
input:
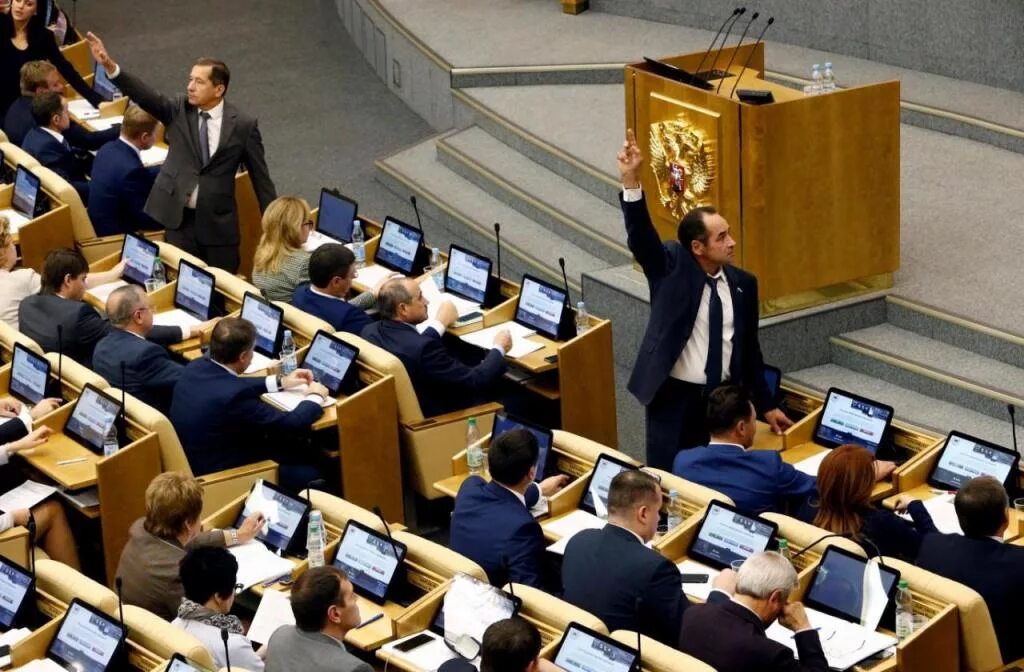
(332, 269)
(47, 143)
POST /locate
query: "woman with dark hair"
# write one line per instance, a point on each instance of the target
(24, 37)
(846, 478)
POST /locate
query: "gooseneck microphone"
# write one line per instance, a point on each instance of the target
(227, 656)
(565, 281)
(735, 14)
(750, 55)
(60, 361)
(315, 483)
(416, 210)
(718, 54)
(858, 539)
(31, 526)
(119, 582)
(387, 531)
(1012, 410)
(733, 57)
(497, 245)
(124, 406)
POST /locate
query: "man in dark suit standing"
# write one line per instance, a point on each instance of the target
(492, 524)
(981, 561)
(610, 573)
(729, 635)
(57, 312)
(47, 143)
(120, 182)
(703, 324)
(442, 382)
(209, 138)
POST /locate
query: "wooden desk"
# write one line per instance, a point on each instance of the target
(48, 231)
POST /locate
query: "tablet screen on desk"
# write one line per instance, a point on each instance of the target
(583, 650)
(29, 375)
(336, 215)
(26, 192)
(850, 587)
(540, 306)
(87, 639)
(180, 663)
(965, 457)
(504, 423)
(15, 585)
(330, 359)
(139, 256)
(283, 512)
(467, 274)
(368, 559)
(267, 318)
(399, 243)
(848, 418)
(500, 605)
(725, 535)
(194, 292)
(92, 417)
(595, 497)
(102, 85)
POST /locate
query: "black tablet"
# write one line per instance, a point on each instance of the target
(87, 640)
(336, 216)
(17, 594)
(194, 291)
(26, 191)
(605, 469)
(139, 256)
(965, 457)
(540, 306)
(330, 359)
(467, 274)
(726, 534)
(30, 375)
(399, 244)
(849, 418)
(585, 650)
(507, 604)
(102, 85)
(285, 515)
(268, 320)
(504, 422)
(370, 560)
(92, 417)
(839, 584)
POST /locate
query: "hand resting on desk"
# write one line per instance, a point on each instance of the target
(36, 438)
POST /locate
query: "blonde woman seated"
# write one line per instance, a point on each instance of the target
(280, 263)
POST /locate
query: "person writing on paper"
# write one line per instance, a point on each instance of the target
(492, 524)
(120, 182)
(280, 263)
(149, 372)
(509, 645)
(209, 575)
(703, 325)
(325, 609)
(47, 143)
(222, 422)
(332, 269)
(981, 561)
(149, 564)
(442, 382)
(843, 505)
(729, 635)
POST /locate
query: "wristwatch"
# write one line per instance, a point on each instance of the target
(280, 382)
(234, 537)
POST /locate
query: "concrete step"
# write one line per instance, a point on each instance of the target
(458, 211)
(931, 367)
(910, 406)
(536, 192)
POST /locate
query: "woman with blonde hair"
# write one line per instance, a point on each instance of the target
(280, 263)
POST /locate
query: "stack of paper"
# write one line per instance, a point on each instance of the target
(10, 638)
(25, 496)
(154, 156)
(287, 400)
(103, 292)
(569, 525)
(103, 123)
(845, 644)
(15, 218)
(942, 512)
(256, 563)
(81, 108)
(697, 590)
(484, 338)
(260, 363)
(811, 464)
(274, 611)
(369, 276)
(429, 656)
(175, 318)
(436, 297)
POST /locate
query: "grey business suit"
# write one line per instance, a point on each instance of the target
(216, 220)
(291, 649)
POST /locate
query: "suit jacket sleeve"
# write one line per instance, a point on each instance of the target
(81, 137)
(66, 70)
(251, 411)
(91, 327)
(12, 430)
(152, 101)
(808, 647)
(664, 603)
(256, 164)
(643, 239)
(160, 370)
(793, 483)
(526, 550)
(442, 366)
(164, 335)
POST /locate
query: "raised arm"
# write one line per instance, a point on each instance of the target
(64, 67)
(641, 236)
(148, 99)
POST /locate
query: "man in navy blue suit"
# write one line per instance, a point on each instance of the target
(981, 561)
(703, 324)
(222, 422)
(610, 573)
(47, 143)
(149, 372)
(120, 182)
(492, 524)
(332, 269)
(442, 382)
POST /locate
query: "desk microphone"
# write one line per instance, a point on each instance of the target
(567, 325)
(419, 222)
(227, 657)
(735, 15)
(750, 55)
(120, 602)
(124, 405)
(316, 482)
(738, 44)
(387, 530)
(31, 525)
(639, 651)
(60, 361)
(718, 54)
(860, 540)
(1012, 410)
(507, 565)
(497, 246)
(565, 281)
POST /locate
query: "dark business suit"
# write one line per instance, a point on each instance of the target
(19, 121)
(756, 480)
(442, 383)
(993, 569)
(119, 189)
(675, 409)
(730, 638)
(11, 429)
(491, 527)
(882, 531)
(39, 315)
(341, 315)
(606, 571)
(58, 157)
(211, 231)
(149, 372)
(222, 423)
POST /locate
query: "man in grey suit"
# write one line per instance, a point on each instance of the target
(325, 608)
(208, 138)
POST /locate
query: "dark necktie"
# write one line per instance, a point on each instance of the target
(204, 138)
(713, 368)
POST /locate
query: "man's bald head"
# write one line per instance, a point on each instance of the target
(393, 294)
(123, 303)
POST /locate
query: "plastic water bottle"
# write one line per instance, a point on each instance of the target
(288, 360)
(904, 611)
(435, 264)
(159, 275)
(675, 518)
(815, 80)
(784, 550)
(358, 244)
(315, 539)
(828, 79)
(474, 451)
(582, 318)
(110, 441)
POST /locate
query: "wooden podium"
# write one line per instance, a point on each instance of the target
(810, 185)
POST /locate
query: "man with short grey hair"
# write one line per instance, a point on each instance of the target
(730, 635)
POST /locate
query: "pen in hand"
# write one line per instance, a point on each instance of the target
(371, 619)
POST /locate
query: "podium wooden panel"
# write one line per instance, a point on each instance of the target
(809, 184)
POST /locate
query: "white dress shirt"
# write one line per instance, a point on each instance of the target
(60, 138)
(693, 358)
(138, 152)
(213, 125)
(330, 296)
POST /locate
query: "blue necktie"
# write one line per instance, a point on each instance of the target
(204, 138)
(713, 368)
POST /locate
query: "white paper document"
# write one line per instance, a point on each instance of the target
(25, 496)
(845, 644)
(256, 563)
(697, 590)
(10, 638)
(369, 276)
(15, 218)
(82, 109)
(317, 239)
(103, 123)
(260, 363)
(436, 297)
(40, 665)
(484, 338)
(175, 318)
(154, 156)
(569, 525)
(288, 400)
(103, 292)
(810, 464)
(427, 657)
(274, 611)
(942, 512)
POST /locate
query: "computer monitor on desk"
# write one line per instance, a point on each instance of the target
(964, 457)
(30, 375)
(467, 274)
(850, 418)
(17, 588)
(195, 291)
(336, 216)
(370, 560)
(541, 306)
(27, 186)
(102, 85)
(852, 588)
(595, 496)
(268, 320)
(584, 650)
(399, 247)
(139, 256)
(726, 534)
(92, 418)
(87, 640)
(330, 360)
(284, 513)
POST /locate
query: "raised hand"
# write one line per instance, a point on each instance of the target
(630, 160)
(99, 52)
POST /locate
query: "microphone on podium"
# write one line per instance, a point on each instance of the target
(733, 57)
(735, 14)
(750, 55)
(712, 71)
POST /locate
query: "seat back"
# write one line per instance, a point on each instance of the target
(801, 535)
(437, 558)
(81, 225)
(379, 359)
(65, 584)
(584, 449)
(693, 493)
(172, 454)
(160, 637)
(16, 156)
(9, 336)
(554, 612)
(172, 256)
(338, 511)
(232, 286)
(301, 322)
(660, 658)
(73, 373)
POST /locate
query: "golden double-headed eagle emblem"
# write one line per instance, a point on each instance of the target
(682, 165)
